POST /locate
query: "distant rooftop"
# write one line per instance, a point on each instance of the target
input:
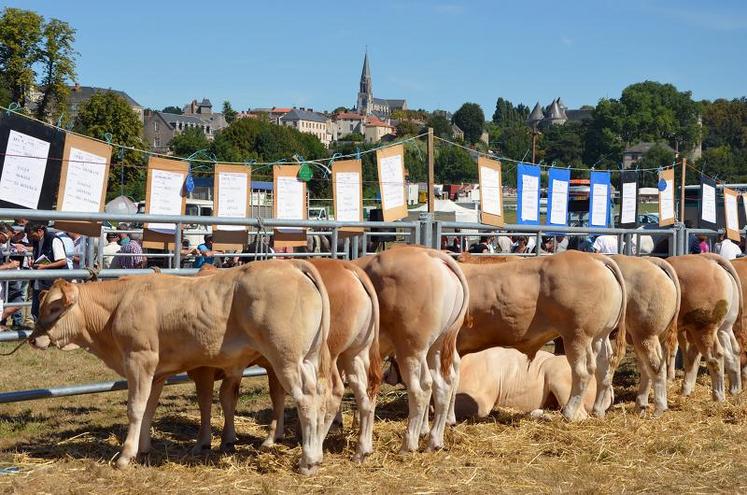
(300, 114)
(79, 94)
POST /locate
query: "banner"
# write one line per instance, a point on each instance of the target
(628, 200)
(84, 175)
(528, 186)
(559, 180)
(288, 203)
(347, 194)
(731, 214)
(391, 167)
(666, 197)
(164, 195)
(707, 213)
(599, 199)
(232, 198)
(29, 172)
(491, 191)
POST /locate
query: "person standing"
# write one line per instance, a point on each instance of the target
(728, 249)
(49, 254)
(205, 253)
(111, 248)
(134, 251)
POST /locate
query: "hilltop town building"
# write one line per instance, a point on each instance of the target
(367, 104)
(159, 128)
(81, 94)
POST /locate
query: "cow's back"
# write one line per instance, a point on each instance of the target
(706, 292)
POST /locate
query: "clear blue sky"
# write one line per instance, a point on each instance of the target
(435, 54)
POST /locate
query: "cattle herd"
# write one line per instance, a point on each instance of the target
(466, 335)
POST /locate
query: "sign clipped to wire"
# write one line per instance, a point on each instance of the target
(731, 214)
(391, 168)
(528, 186)
(491, 192)
(559, 180)
(707, 216)
(666, 197)
(629, 199)
(599, 199)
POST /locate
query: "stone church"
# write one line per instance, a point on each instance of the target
(367, 104)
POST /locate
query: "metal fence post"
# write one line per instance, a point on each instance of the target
(426, 229)
(364, 249)
(178, 246)
(354, 250)
(628, 244)
(439, 233)
(90, 250)
(333, 243)
(346, 248)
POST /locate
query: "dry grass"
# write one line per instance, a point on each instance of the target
(64, 445)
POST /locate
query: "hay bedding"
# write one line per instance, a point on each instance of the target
(698, 446)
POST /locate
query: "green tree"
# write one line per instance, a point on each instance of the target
(189, 141)
(20, 35)
(604, 143)
(228, 112)
(454, 166)
(107, 112)
(340, 110)
(564, 143)
(725, 123)
(471, 120)
(513, 142)
(506, 114)
(407, 127)
(172, 109)
(441, 125)
(354, 136)
(57, 58)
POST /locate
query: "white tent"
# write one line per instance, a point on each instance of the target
(461, 213)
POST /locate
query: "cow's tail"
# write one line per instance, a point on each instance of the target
(670, 339)
(375, 364)
(726, 265)
(325, 359)
(621, 330)
(449, 343)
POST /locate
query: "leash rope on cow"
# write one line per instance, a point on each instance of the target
(94, 272)
(14, 350)
(156, 269)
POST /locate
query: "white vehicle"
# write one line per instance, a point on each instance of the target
(195, 233)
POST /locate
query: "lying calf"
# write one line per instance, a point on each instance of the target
(505, 377)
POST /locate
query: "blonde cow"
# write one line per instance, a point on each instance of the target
(151, 327)
(711, 304)
(740, 330)
(423, 298)
(653, 305)
(505, 377)
(578, 296)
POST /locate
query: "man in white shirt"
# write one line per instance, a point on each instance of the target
(111, 248)
(605, 244)
(728, 249)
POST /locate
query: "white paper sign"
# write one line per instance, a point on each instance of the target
(666, 198)
(559, 209)
(709, 204)
(23, 169)
(732, 213)
(529, 197)
(290, 200)
(232, 188)
(165, 197)
(490, 196)
(599, 204)
(85, 181)
(628, 207)
(392, 182)
(347, 196)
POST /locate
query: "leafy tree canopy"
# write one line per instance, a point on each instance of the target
(471, 120)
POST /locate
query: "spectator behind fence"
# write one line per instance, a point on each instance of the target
(703, 246)
(503, 244)
(480, 247)
(10, 260)
(605, 244)
(728, 249)
(205, 253)
(129, 246)
(49, 254)
(78, 247)
(111, 248)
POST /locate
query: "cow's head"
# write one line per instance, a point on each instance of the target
(54, 326)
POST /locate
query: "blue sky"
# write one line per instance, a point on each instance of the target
(435, 54)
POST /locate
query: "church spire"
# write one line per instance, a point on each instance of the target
(365, 94)
(366, 76)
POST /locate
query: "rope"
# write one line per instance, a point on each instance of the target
(14, 350)
(94, 272)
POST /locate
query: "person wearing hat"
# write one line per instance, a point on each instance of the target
(205, 253)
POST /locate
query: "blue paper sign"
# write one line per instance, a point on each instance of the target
(559, 180)
(528, 186)
(599, 199)
(662, 185)
(189, 184)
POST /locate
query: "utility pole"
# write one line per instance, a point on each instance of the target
(431, 174)
(682, 190)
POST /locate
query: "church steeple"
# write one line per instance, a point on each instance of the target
(365, 93)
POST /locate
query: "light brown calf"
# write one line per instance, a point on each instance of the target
(653, 305)
(740, 329)
(711, 304)
(148, 328)
(423, 298)
(578, 296)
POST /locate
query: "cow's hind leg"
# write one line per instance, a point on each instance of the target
(229, 396)
(443, 384)
(602, 349)
(204, 379)
(418, 380)
(691, 360)
(581, 358)
(356, 370)
(653, 368)
(277, 394)
(144, 444)
(139, 370)
(731, 358)
(456, 363)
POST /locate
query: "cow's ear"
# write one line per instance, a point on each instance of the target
(69, 293)
(42, 295)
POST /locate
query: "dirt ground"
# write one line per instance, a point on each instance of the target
(65, 445)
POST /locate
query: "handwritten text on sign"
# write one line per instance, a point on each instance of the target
(232, 188)
(348, 196)
(85, 181)
(165, 197)
(392, 182)
(491, 191)
(23, 169)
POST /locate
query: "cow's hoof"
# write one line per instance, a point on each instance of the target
(200, 450)
(434, 448)
(122, 463)
(659, 412)
(308, 470)
(228, 448)
(359, 457)
(269, 443)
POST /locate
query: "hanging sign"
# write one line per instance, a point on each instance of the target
(491, 192)
(599, 199)
(707, 216)
(288, 203)
(628, 199)
(164, 195)
(231, 193)
(347, 194)
(731, 214)
(527, 207)
(84, 176)
(29, 163)
(559, 180)
(391, 168)
(666, 197)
